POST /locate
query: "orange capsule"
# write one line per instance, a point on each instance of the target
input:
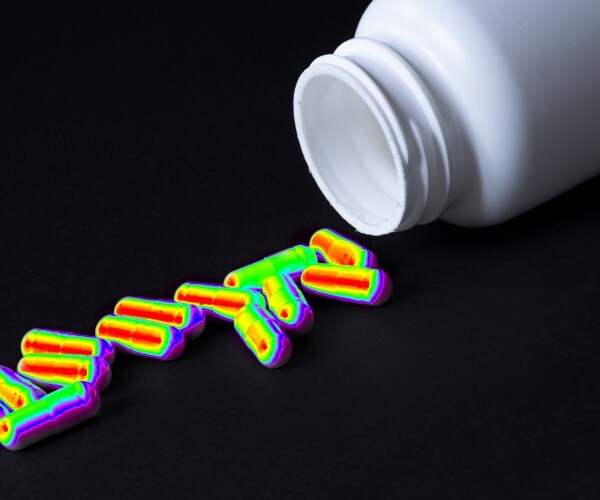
(339, 250)
(38, 341)
(142, 338)
(50, 370)
(221, 302)
(185, 317)
(359, 285)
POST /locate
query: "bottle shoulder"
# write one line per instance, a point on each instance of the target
(454, 48)
(465, 67)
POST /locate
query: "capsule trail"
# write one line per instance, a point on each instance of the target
(142, 338)
(50, 370)
(291, 261)
(190, 319)
(16, 391)
(339, 250)
(4, 409)
(39, 341)
(350, 284)
(50, 415)
(262, 335)
(288, 305)
(219, 301)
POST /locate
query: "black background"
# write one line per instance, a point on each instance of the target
(144, 145)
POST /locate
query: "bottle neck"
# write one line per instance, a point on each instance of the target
(373, 138)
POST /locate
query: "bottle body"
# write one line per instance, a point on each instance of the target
(468, 111)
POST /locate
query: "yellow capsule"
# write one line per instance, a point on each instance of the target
(16, 391)
(291, 261)
(288, 305)
(49, 415)
(262, 335)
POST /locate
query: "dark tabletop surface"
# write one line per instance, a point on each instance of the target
(144, 145)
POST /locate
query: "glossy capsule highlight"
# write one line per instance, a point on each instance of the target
(16, 391)
(339, 250)
(39, 341)
(263, 336)
(358, 285)
(50, 415)
(142, 338)
(217, 300)
(287, 303)
(50, 370)
(291, 261)
(185, 317)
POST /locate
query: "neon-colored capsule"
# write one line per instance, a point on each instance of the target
(261, 333)
(351, 284)
(16, 391)
(291, 261)
(221, 302)
(339, 250)
(50, 415)
(38, 341)
(141, 337)
(288, 305)
(185, 317)
(4, 409)
(50, 370)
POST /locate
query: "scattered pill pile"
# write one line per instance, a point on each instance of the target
(262, 300)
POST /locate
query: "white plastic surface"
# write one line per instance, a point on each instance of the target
(470, 111)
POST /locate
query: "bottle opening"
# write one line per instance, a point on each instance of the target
(350, 147)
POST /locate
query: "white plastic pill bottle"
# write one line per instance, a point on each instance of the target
(471, 111)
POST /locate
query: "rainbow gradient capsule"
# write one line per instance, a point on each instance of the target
(142, 338)
(261, 333)
(38, 341)
(50, 370)
(291, 261)
(50, 415)
(358, 285)
(287, 303)
(4, 409)
(16, 391)
(185, 317)
(220, 302)
(339, 250)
